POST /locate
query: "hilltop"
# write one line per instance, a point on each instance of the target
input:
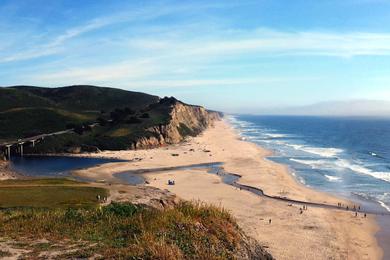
(125, 119)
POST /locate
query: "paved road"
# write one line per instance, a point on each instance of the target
(33, 138)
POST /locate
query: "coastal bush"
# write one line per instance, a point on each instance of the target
(124, 230)
(184, 130)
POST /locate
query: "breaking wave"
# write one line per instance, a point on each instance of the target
(333, 178)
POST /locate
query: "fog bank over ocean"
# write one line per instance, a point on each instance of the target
(378, 108)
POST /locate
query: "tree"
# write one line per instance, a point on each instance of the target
(145, 115)
(79, 129)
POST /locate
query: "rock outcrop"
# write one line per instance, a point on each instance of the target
(5, 171)
(184, 120)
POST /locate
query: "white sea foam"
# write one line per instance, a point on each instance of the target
(314, 164)
(295, 146)
(333, 178)
(363, 170)
(343, 164)
(323, 152)
(276, 135)
(384, 205)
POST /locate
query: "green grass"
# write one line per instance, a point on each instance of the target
(122, 131)
(20, 123)
(48, 193)
(48, 181)
(126, 231)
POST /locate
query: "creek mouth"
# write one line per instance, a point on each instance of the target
(135, 177)
(63, 166)
(38, 166)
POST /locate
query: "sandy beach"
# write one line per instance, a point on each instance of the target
(317, 233)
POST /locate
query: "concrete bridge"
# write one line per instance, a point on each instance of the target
(6, 148)
(18, 145)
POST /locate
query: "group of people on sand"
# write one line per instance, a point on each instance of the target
(356, 214)
(101, 199)
(354, 208)
(302, 209)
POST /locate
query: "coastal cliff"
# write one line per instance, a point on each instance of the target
(184, 120)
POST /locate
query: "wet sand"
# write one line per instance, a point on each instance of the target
(317, 233)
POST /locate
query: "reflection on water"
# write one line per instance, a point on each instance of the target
(53, 166)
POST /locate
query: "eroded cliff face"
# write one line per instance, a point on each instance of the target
(184, 120)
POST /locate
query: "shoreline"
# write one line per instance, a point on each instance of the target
(291, 235)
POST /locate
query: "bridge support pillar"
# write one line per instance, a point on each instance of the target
(9, 152)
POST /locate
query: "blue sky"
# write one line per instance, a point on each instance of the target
(235, 56)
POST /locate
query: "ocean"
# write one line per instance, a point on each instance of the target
(345, 156)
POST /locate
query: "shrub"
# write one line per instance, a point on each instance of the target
(145, 115)
(133, 120)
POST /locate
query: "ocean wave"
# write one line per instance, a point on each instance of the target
(276, 135)
(333, 178)
(385, 176)
(323, 152)
(382, 199)
(295, 146)
(342, 164)
(314, 164)
(384, 205)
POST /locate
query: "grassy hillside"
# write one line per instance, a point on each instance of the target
(23, 122)
(14, 98)
(123, 118)
(27, 111)
(89, 98)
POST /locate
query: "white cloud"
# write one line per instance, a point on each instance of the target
(56, 43)
(187, 53)
(211, 82)
(128, 71)
(276, 43)
(184, 55)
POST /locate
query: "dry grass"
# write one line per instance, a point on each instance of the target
(190, 230)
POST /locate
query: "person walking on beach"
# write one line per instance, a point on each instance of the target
(269, 221)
